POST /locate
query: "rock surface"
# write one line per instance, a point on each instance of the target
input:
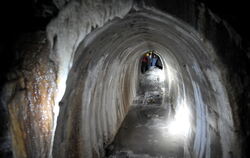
(87, 66)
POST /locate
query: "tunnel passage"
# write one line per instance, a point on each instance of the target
(97, 50)
(151, 79)
(148, 60)
(104, 78)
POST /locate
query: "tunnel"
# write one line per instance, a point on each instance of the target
(77, 87)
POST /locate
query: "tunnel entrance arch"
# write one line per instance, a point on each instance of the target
(150, 59)
(109, 81)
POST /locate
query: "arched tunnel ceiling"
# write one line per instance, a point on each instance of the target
(106, 68)
(96, 49)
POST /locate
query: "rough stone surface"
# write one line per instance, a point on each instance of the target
(95, 46)
(29, 94)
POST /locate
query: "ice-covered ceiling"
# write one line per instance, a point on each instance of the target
(84, 78)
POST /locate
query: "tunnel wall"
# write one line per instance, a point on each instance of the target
(199, 22)
(67, 27)
(229, 47)
(29, 96)
(64, 33)
(195, 76)
(100, 104)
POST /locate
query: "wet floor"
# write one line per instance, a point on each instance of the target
(144, 132)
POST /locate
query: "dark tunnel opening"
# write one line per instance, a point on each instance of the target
(76, 80)
(148, 60)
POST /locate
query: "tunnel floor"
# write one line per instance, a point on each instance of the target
(143, 133)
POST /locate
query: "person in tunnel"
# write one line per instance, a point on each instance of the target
(150, 60)
(149, 57)
(154, 60)
(144, 64)
(159, 63)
